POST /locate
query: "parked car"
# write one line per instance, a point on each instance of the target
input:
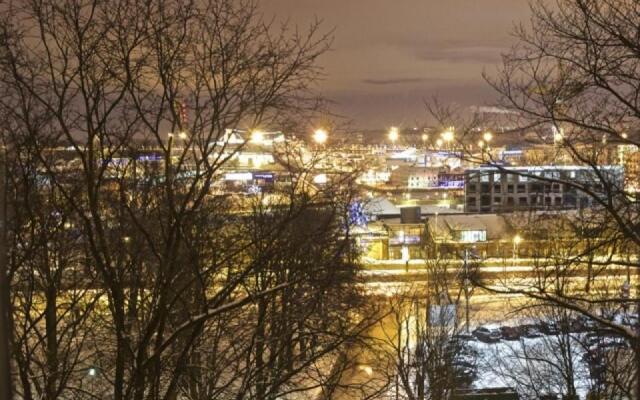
(510, 332)
(463, 337)
(487, 335)
(549, 328)
(532, 332)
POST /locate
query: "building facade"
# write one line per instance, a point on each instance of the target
(508, 189)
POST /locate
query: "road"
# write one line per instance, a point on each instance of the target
(370, 371)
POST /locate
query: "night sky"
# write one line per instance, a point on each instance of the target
(390, 55)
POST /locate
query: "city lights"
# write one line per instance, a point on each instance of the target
(487, 136)
(425, 137)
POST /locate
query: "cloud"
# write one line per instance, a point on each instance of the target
(399, 81)
(473, 54)
(491, 110)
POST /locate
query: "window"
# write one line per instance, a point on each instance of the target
(484, 177)
(473, 236)
(497, 200)
(522, 201)
(510, 201)
(521, 188)
(471, 188)
(509, 188)
(497, 188)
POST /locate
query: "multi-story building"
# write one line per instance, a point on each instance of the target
(507, 189)
(422, 178)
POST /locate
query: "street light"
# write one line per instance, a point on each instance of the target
(425, 137)
(257, 136)
(439, 143)
(487, 136)
(182, 135)
(393, 134)
(516, 241)
(320, 136)
(448, 135)
(480, 144)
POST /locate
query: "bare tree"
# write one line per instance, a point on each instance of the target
(570, 87)
(132, 277)
(431, 361)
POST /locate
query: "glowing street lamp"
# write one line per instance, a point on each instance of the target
(320, 136)
(425, 137)
(480, 144)
(182, 135)
(517, 239)
(257, 136)
(394, 134)
(487, 136)
(448, 135)
(439, 143)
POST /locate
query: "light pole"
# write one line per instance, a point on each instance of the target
(435, 235)
(487, 137)
(466, 288)
(448, 136)
(394, 134)
(516, 241)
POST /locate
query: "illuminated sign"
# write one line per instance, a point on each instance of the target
(451, 181)
(267, 176)
(150, 157)
(238, 176)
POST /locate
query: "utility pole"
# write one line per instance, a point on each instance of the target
(466, 288)
(5, 327)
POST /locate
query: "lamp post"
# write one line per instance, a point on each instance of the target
(516, 241)
(448, 136)
(487, 136)
(435, 234)
(394, 134)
